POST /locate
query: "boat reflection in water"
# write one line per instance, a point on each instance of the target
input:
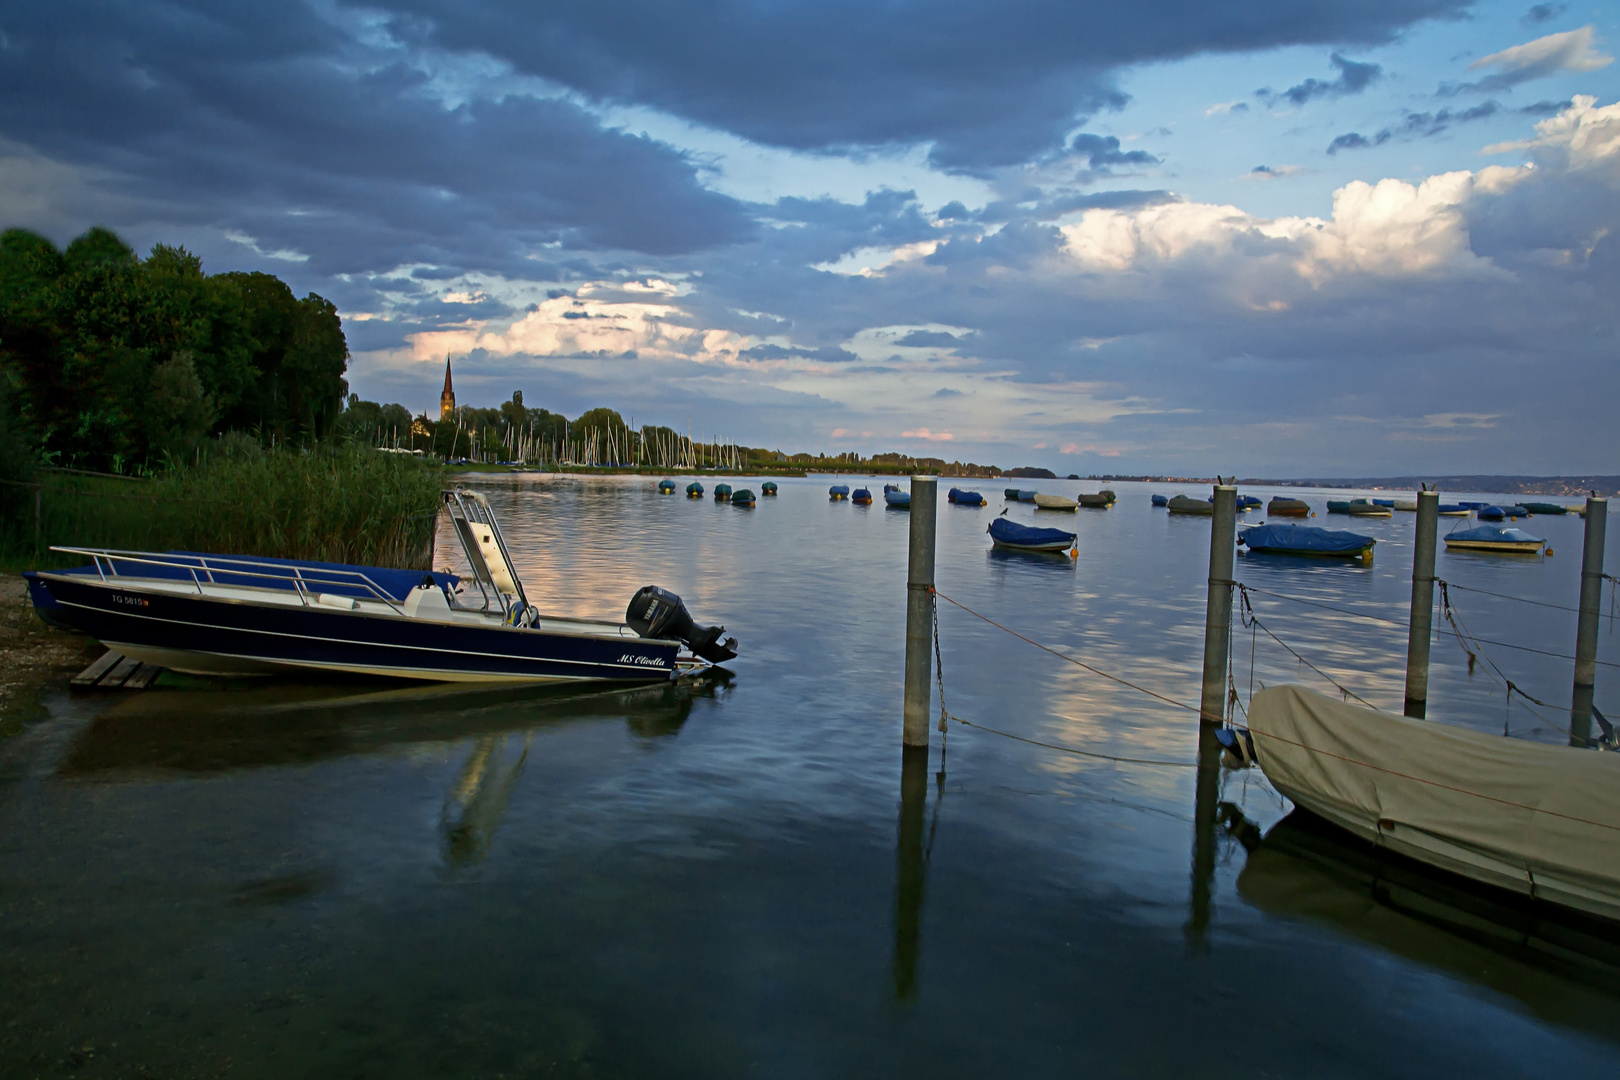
(1561, 965)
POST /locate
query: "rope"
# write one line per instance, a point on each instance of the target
(1460, 630)
(1072, 750)
(1070, 659)
(1250, 619)
(1506, 596)
(1328, 607)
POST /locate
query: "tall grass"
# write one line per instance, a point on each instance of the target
(340, 504)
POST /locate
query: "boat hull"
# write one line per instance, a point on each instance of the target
(211, 635)
(1519, 547)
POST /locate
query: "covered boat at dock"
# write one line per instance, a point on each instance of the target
(964, 498)
(1184, 504)
(1054, 502)
(897, 499)
(861, 497)
(1005, 533)
(1102, 500)
(245, 615)
(1536, 819)
(1285, 507)
(722, 492)
(768, 488)
(1491, 538)
(694, 490)
(1545, 508)
(666, 487)
(742, 497)
(1359, 508)
(1305, 540)
(837, 492)
(1453, 510)
(1160, 500)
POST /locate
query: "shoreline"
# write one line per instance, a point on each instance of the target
(38, 657)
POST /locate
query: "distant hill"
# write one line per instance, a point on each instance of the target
(1028, 473)
(1507, 485)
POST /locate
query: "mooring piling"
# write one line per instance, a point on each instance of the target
(920, 610)
(1420, 626)
(1586, 632)
(1218, 607)
(910, 870)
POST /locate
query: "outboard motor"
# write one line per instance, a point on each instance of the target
(659, 613)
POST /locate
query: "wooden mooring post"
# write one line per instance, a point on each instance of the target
(920, 611)
(1218, 606)
(1586, 631)
(1420, 626)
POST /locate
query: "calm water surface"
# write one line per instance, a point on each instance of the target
(724, 879)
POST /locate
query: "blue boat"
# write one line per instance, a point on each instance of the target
(666, 487)
(1011, 493)
(722, 492)
(694, 490)
(897, 499)
(1305, 540)
(1491, 513)
(249, 615)
(1248, 502)
(964, 498)
(861, 497)
(742, 497)
(838, 491)
(1452, 510)
(1005, 533)
(1384, 502)
(1161, 500)
(1516, 511)
(1026, 495)
(1473, 505)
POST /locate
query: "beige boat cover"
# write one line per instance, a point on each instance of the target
(1538, 819)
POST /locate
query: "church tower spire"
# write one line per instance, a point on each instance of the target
(447, 400)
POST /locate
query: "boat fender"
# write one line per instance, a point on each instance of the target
(659, 613)
(1237, 747)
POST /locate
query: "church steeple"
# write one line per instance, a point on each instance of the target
(447, 400)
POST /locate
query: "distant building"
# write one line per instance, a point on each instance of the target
(447, 400)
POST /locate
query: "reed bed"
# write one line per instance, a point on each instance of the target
(338, 504)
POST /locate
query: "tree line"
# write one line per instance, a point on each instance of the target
(117, 363)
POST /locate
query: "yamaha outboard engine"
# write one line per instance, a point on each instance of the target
(659, 613)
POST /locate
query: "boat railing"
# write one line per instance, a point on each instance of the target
(474, 509)
(303, 580)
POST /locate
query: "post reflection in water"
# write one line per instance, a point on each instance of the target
(1205, 797)
(473, 806)
(911, 865)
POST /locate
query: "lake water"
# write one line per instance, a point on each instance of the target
(735, 877)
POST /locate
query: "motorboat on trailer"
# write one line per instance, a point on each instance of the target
(248, 615)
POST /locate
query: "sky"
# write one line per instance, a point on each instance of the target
(1278, 238)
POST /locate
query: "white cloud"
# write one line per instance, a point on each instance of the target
(1580, 137)
(930, 436)
(1572, 50)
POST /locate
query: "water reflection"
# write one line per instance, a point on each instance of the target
(1206, 793)
(473, 806)
(910, 870)
(1562, 966)
(270, 723)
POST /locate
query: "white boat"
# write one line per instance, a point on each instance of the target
(1055, 502)
(1537, 819)
(1491, 538)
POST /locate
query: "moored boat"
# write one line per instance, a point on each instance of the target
(1011, 493)
(694, 490)
(1026, 495)
(1305, 540)
(1100, 500)
(861, 497)
(1491, 513)
(1184, 504)
(1247, 502)
(1533, 818)
(722, 492)
(1407, 506)
(768, 488)
(1359, 508)
(1054, 502)
(1453, 510)
(247, 615)
(1491, 538)
(1160, 500)
(837, 492)
(964, 498)
(666, 487)
(742, 497)
(897, 499)
(1005, 533)
(1285, 507)
(1545, 508)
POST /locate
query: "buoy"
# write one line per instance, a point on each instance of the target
(1549, 553)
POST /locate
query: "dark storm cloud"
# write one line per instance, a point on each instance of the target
(987, 82)
(281, 127)
(1353, 78)
(1544, 108)
(1423, 125)
(830, 354)
(1102, 153)
(929, 339)
(1541, 13)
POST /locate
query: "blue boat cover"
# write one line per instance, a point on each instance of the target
(838, 489)
(1161, 500)
(325, 577)
(1011, 532)
(1491, 513)
(1471, 505)
(1450, 508)
(861, 493)
(1305, 539)
(1492, 534)
(966, 498)
(1026, 496)
(1245, 502)
(897, 497)
(1517, 510)
(1385, 502)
